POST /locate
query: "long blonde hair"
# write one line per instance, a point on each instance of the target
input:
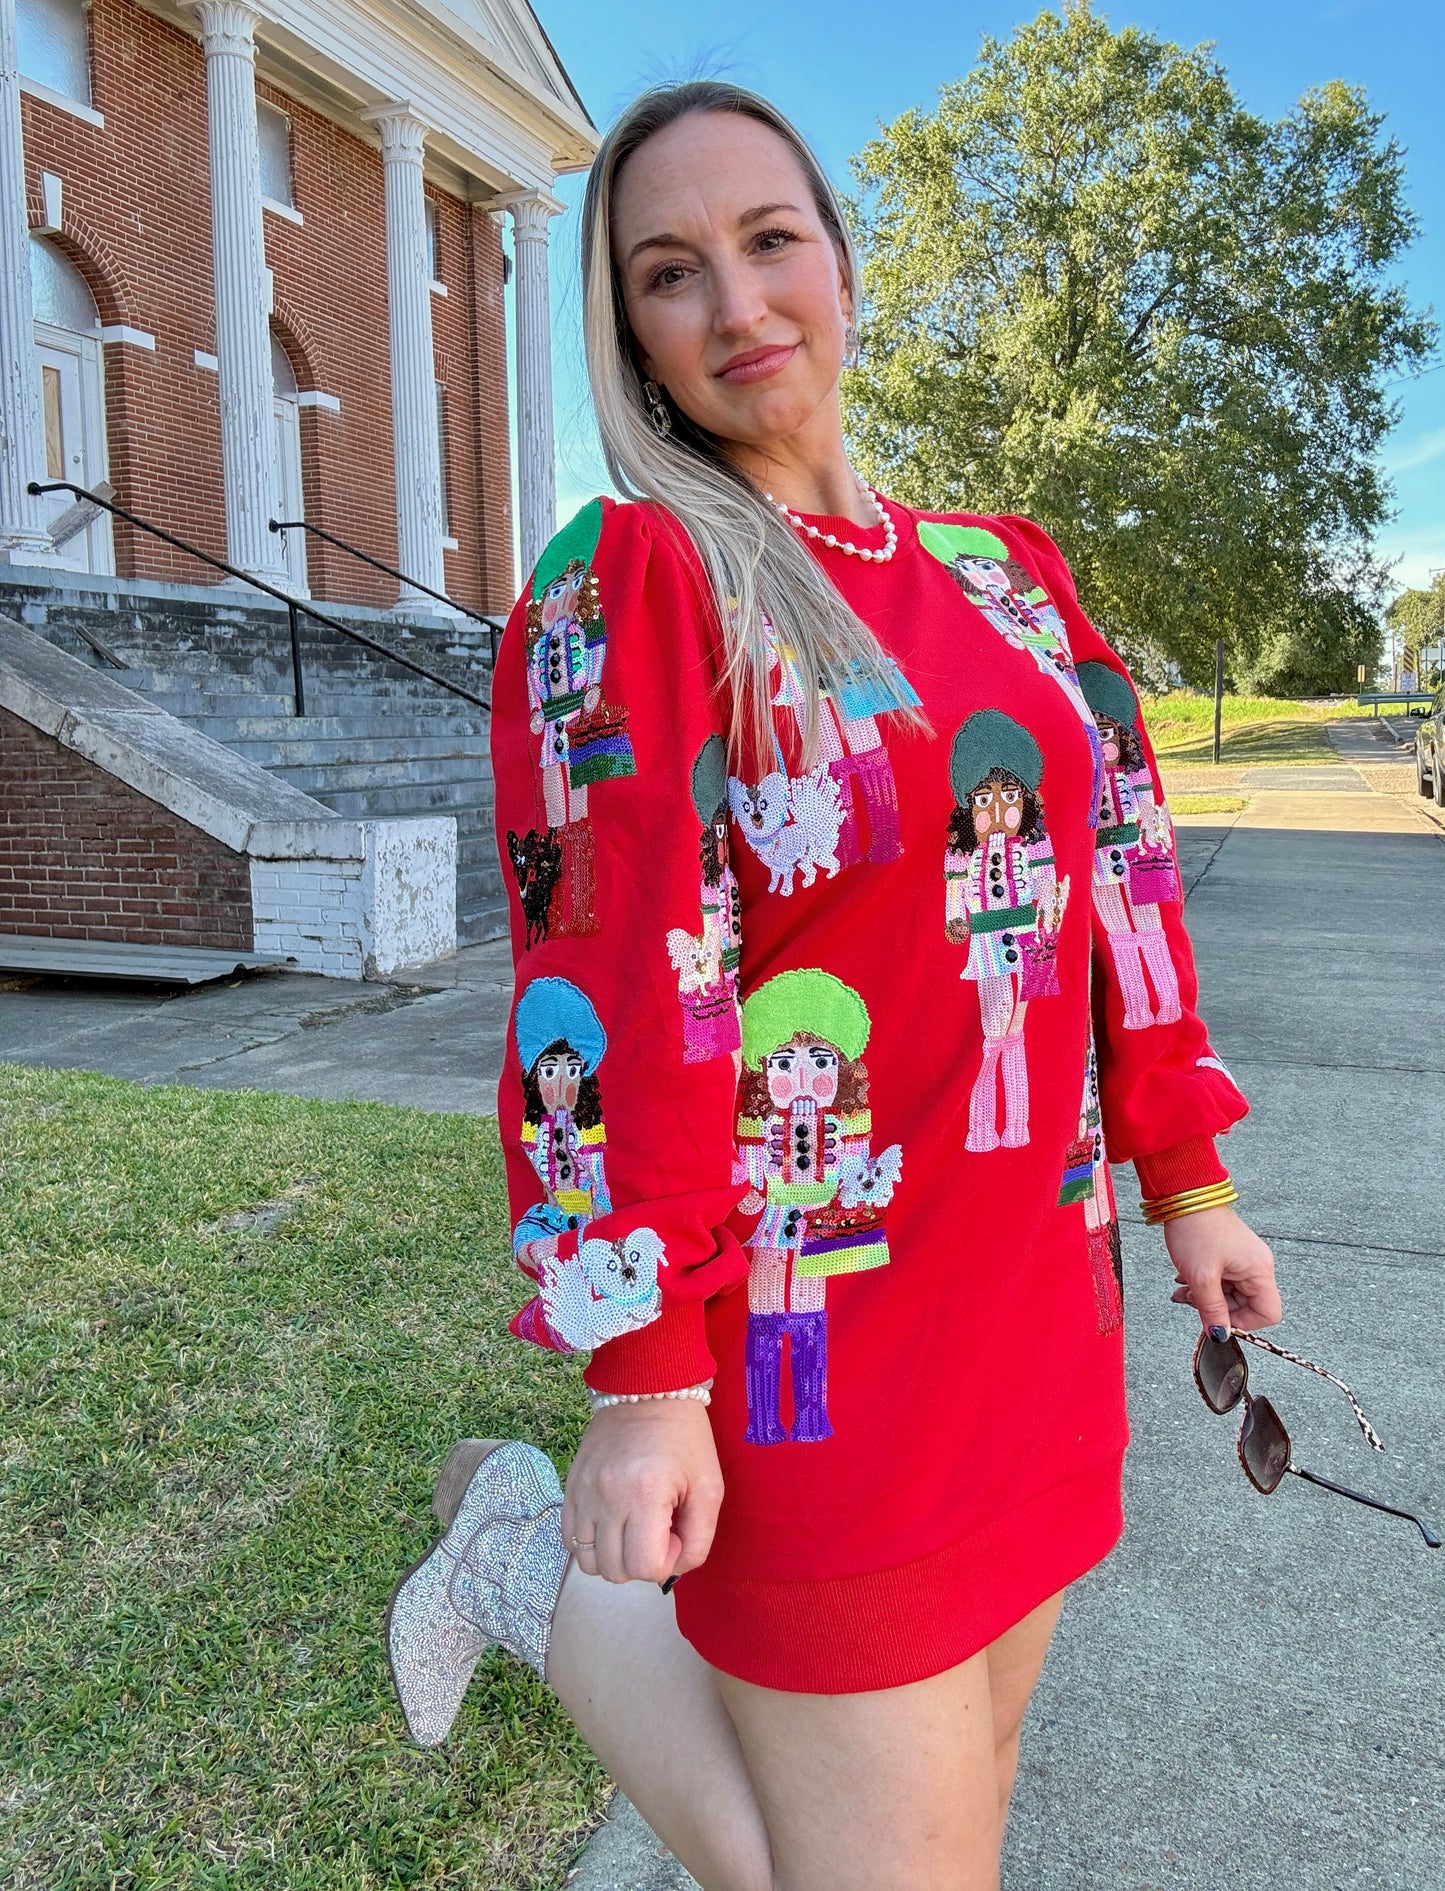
(756, 564)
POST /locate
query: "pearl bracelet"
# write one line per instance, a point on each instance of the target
(702, 1393)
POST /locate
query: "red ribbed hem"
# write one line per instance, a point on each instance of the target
(1193, 1163)
(854, 1634)
(668, 1353)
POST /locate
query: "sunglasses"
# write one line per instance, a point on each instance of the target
(1221, 1372)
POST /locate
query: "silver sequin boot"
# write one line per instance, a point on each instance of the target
(494, 1577)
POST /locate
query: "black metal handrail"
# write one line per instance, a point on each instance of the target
(294, 606)
(380, 564)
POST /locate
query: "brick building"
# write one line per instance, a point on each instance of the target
(252, 266)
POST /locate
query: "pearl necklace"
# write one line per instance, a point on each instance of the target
(890, 531)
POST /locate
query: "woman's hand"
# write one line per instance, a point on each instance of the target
(1223, 1270)
(645, 1487)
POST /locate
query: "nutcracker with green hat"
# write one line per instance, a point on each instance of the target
(1134, 865)
(1004, 901)
(805, 1146)
(1008, 595)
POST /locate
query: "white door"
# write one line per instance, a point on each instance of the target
(74, 426)
(290, 501)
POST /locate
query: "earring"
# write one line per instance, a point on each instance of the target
(850, 346)
(657, 409)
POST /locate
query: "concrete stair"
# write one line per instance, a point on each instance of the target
(376, 740)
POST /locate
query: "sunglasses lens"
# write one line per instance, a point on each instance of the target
(1221, 1372)
(1263, 1446)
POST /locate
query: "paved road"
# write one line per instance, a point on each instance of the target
(1248, 1695)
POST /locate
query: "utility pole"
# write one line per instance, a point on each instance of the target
(1218, 693)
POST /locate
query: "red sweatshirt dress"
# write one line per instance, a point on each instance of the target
(811, 1074)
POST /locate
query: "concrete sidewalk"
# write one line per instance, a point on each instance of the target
(432, 1039)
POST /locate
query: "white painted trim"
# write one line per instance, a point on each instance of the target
(61, 102)
(438, 288)
(52, 195)
(208, 362)
(451, 544)
(137, 337)
(313, 397)
(288, 211)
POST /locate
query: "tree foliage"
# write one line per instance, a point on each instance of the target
(1100, 292)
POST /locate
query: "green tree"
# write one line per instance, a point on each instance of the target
(1102, 293)
(1419, 619)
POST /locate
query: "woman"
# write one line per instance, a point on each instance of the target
(831, 1695)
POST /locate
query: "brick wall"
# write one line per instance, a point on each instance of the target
(137, 224)
(82, 856)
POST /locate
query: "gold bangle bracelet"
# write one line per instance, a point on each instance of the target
(1190, 1201)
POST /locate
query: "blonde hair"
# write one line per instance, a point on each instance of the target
(756, 564)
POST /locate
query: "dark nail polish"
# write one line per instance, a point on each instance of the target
(1218, 1332)
(668, 1584)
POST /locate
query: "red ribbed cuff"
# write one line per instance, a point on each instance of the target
(668, 1353)
(1193, 1163)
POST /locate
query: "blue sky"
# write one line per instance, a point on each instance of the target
(838, 69)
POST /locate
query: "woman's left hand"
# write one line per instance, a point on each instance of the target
(1223, 1270)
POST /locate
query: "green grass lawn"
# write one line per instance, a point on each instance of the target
(218, 1440)
(1254, 729)
(1187, 803)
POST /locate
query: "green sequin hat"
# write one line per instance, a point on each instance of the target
(710, 779)
(807, 1001)
(1108, 694)
(950, 542)
(574, 544)
(990, 739)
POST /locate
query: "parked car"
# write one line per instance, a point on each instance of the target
(1430, 750)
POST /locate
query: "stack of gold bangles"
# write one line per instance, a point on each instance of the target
(1189, 1201)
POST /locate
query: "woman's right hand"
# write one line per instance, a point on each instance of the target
(644, 1489)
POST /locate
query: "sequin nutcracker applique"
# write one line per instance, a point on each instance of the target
(843, 811)
(1008, 595)
(1087, 1180)
(583, 739)
(1134, 864)
(706, 962)
(600, 1288)
(1004, 901)
(805, 1149)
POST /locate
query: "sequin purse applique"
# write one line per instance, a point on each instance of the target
(582, 738)
(1004, 901)
(845, 810)
(804, 1148)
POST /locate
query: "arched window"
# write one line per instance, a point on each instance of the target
(60, 294)
(53, 46)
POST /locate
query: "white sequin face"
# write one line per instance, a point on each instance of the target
(807, 1068)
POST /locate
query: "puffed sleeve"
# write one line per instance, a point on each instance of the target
(616, 1100)
(1165, 1092)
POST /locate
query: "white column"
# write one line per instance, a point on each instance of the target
(536, 459)
(243, 290)
(415, 444)
(23, 539)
